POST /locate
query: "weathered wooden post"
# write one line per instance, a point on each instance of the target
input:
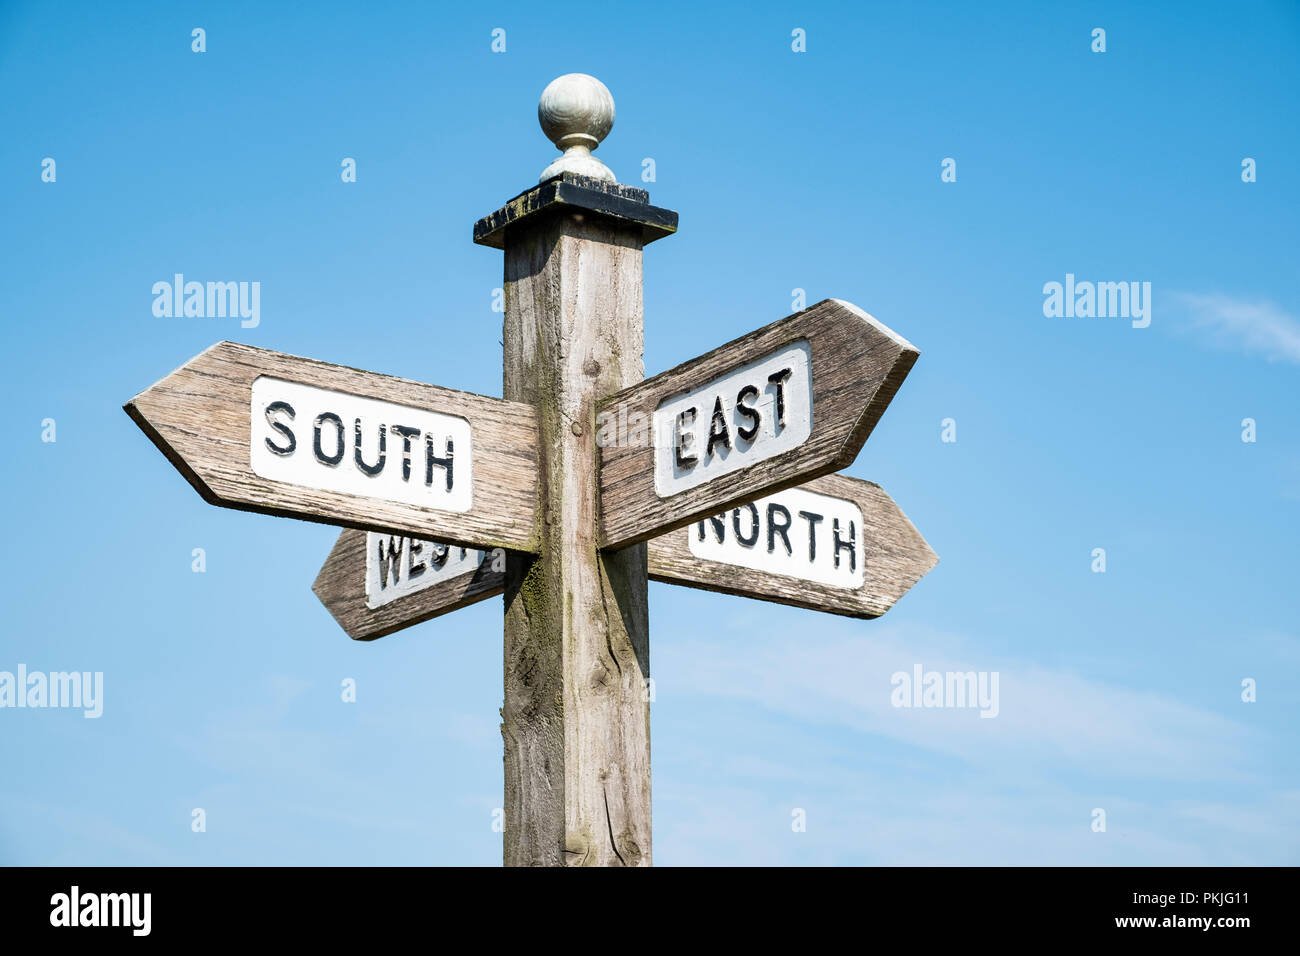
(576, 719)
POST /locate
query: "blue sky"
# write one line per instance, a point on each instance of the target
(818, 171)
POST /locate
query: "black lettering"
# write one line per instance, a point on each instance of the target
(847, 545)
(389, 564)
(407, 434)
(719, 434)
(754, 526)
(777, 380)
(719, 527)
(418, 566)
(750, 432)
(773, 529)
(430, 460)
(684, 456)
(439, 556)
(281, 427)
(338, 431)
(378, 466)
(812, 518)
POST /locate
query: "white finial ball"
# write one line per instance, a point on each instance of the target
(576, 108)
(576, 112)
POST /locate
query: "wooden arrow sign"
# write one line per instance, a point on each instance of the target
(375, 584)
(792, 401)
(263, 431)
(835, 544)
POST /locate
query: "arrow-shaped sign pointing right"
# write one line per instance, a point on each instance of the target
(790, 402)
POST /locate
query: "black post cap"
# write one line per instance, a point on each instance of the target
(624, 204)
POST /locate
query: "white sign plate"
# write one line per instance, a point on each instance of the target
(797, 533)
(397, 565)
(319, 438)
(756, 412)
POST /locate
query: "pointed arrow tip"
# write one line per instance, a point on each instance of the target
(144, 411)
(884, 329)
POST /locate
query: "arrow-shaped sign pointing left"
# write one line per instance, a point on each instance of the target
(263, 431)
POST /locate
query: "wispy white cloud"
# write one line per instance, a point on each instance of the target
(1258, 328)
(1051, 716)
(1181, 784)
(873, 814)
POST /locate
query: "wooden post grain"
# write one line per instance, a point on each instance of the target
(576, 714)
(576, 717)
(576, 720)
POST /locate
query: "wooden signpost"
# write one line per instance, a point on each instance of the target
(570, 493)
